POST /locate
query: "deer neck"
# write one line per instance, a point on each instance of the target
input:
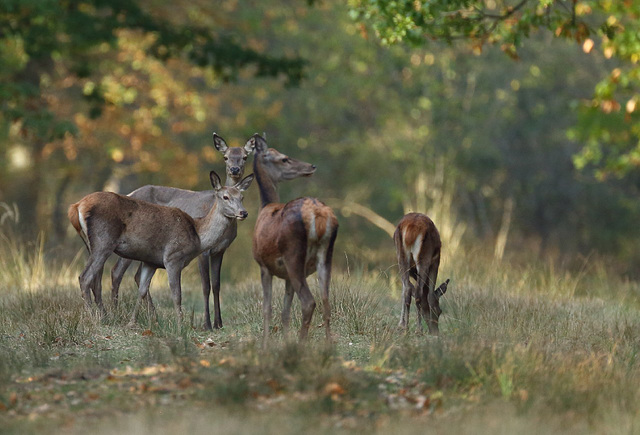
(232, 180)
(268, 188)
(211, 228)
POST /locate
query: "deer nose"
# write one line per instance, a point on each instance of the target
(313, 166)
(244, 214)
(234, 170)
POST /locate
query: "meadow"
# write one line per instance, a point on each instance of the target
(523, 348)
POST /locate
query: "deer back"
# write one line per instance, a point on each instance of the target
(136, 229)
(303, 225)
(195, 204)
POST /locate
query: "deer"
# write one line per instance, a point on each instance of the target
(418, 246)
(195, 204)
(156, 235)
(291, 240)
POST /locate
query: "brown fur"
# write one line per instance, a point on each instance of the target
(420, 263)
(291, 240)
(158, 236)
(313, 210)
(195, 204)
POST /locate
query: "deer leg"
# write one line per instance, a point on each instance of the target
(295, 265)
(147, 296)
(117, 273)
(267, 279)
(286, 306)
(89, 275)
(432, 298)
(97, 290)
(175, 273)
(146, 272)
(216, 264)
(324, 277)
(421, 295)
(203, 267)
(308, 304)
(407, 290)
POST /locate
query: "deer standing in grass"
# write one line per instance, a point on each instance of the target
(291, 240)
(195, 204)
(418, 249)
(156, 235)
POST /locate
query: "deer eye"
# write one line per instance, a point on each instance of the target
(226, 198)
(285, 160)
(226, 158)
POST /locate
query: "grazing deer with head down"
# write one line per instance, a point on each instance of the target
(418, 248)
(291, 240)
(158, 236)
(195, 204)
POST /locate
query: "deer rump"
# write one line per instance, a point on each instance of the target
(304, 225)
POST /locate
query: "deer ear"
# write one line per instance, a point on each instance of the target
(440, 291)
(244, 183)
(257, 142)
(215, 180)
(219, 143)
(250, 146)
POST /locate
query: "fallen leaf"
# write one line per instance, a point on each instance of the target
(147, 333)
(273, 384)
(333, 388)
(185, 383)
(422, 402)
(209, 342)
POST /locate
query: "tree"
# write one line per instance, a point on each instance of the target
(51, 49)
(609, 123)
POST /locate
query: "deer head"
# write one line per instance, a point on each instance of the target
(278, 166)
(235, 158)
(230, 197)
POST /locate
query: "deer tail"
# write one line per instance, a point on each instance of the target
(74, 217)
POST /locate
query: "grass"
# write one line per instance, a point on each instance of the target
(522, 349)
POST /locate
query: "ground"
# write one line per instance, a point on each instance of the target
(525, 350)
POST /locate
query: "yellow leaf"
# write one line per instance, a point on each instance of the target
(631, 105)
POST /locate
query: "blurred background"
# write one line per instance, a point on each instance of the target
(112, 97)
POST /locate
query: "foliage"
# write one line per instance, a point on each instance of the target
(60, 78)
(436, 128)
(608, 118)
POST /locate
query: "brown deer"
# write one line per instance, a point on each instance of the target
(195, 204)
(156, 235)
(418, 248)
(291, 240)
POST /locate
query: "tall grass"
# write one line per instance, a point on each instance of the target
(521, 347)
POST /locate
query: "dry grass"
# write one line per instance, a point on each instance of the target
(522, 349)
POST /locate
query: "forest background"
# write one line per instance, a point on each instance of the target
(508, 153)
(513, 124)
